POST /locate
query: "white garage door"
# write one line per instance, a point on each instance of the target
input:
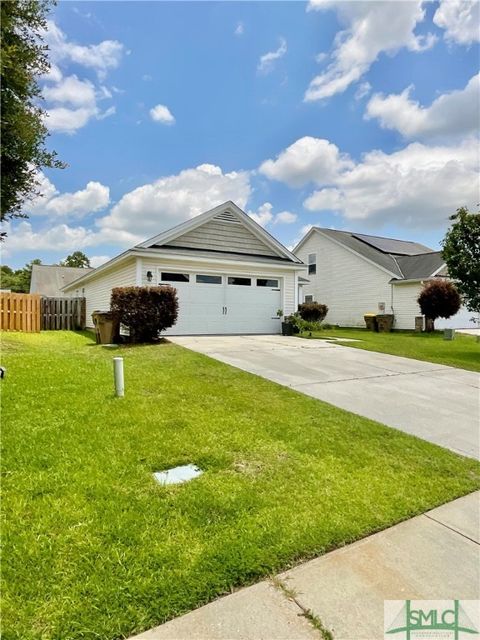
(223, 303)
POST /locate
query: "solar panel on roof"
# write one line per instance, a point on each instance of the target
(388, 245)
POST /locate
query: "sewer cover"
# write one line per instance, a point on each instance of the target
(177, 475)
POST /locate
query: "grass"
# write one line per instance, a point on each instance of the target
(462, 352)
(94, 548)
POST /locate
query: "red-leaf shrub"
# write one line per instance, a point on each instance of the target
(312, 311)
(145, 311)
(439, 299)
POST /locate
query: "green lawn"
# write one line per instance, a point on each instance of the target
(94, 548)
(462, 352)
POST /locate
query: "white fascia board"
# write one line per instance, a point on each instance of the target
(304, 239)
(438, 270)
(375, 264)
(104, 267)
(168, 256)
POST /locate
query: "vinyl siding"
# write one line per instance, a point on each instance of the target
(405, 304)
(349, 285)
(98, 290)
(218, 235)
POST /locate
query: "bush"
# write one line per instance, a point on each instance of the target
(312, 311)
(439, 299)
(145, 311)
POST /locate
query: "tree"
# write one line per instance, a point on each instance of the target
(76, 259)
(461, 252)
(18, 280)
(438, 299)
(23, 132)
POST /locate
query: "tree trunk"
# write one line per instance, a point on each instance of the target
(429, 324)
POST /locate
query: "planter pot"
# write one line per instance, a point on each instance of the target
(287, 329)
(385, 322)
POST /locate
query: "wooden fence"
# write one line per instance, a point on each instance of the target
(19, 312)
(30, 312)
(62, 313)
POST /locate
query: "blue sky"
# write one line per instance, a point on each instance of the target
(351, 115)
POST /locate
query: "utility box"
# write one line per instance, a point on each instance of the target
(448, 334)
(418, 324)
(106, 328)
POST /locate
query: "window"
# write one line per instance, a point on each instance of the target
(265, 282)
(308, 298)
(201, 279)
(312, 264)
(175, 277)
(243, 282)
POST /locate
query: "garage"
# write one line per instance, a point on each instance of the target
(231, 275)
(224, 304)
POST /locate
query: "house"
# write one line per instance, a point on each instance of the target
(354, 273)
(49, 280)
(231, 275)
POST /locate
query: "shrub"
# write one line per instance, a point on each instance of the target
(145, 311)
(312, 311)
(439, 299)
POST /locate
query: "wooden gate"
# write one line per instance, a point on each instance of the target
(19, 312)
(62, 313)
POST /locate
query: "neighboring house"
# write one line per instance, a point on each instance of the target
(231, 275)
(49, 280)
(354, 274)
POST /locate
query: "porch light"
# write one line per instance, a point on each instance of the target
(149, 276)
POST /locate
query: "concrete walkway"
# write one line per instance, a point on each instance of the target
(434, 402)
(430, 557)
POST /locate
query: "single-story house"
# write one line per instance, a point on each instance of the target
(49, 280)
(231, 275)
(355, 273)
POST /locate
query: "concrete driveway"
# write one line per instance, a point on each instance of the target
(434, 402)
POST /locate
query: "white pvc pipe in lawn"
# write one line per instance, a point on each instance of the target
(118, 376)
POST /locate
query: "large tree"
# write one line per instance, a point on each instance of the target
(461, 252)
(24, 59)
(438, 299)
(18, 280)
(76, 259)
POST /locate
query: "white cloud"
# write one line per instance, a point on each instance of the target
(363, 90)
(93, 198)
(371, 28)
(239, 29)
(102, 57)
(306, 160)
(460, 19)
(52, 75)
(451, 114)
(162, 114)
(285, 217)
(263, 215)
(97, 261)
(159, 205)
(418, 186)
(71, 91)
(268, 60)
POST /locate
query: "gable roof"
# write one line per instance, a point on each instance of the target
(226, 213)
(403, 259)
(49, 280)
(170, 241)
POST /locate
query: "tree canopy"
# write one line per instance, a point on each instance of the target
(461, 252)
(439, 299)
(76, 259)
(24, 59)
(17, 280)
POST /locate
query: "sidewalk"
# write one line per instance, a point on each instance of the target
(433, 556)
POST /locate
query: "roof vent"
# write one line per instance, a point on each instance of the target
(227, 216)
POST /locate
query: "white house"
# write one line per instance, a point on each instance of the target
(231, 275)
(354, 274)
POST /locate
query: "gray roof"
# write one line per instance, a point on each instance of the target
(404, 259)
(48, 280)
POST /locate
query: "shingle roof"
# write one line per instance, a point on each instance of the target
(48, 280)
(404, 259)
